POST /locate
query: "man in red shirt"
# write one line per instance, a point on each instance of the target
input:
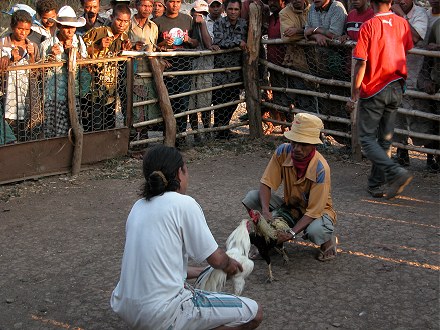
(379, 76)
(360, 13)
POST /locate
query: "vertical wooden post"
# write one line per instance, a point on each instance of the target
(250, 70)
(157, 68)
(356, 152)
(77, 128)
(129, 90)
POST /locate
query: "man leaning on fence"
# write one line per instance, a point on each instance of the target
(175, 33)
(56, 110)
(15, 50)
(143, 34)
(325, 21)
(293, 20)
(101, 42)
(229, 32)
(379, 78)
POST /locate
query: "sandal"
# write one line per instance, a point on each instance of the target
(324, 256)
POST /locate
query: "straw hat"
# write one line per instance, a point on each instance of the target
(201, 6)
(306, 128)
(67, 16)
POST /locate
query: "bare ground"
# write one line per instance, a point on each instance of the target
(61, 243)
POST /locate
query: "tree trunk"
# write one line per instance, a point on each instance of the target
(157, 68)
(250, 70)
(77, 128)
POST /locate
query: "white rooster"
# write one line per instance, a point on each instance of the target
(238, 245)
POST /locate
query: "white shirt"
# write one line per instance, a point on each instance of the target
(160, 235)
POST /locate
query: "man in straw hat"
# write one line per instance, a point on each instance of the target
(307, 201)
(56, 119)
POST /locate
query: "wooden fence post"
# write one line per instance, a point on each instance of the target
(129, 90)
(250, 70)
(356, 152)
(77, 128)
(157, 68)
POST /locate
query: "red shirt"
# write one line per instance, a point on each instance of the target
(383, 43)
(275, 53)
(355, 20)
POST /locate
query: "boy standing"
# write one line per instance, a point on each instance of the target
(379, 77)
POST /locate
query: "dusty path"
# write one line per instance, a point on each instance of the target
(61, 243)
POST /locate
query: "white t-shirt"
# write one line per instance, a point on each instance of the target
(160, 235)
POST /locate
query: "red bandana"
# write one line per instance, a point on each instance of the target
(301, 165)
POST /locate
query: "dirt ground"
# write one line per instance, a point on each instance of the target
(62, 238)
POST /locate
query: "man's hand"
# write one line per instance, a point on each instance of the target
(243, 45)
(56, 50)
(343, 38)
(169, 41)
(4, 62)
(267, 215)
(282, 237)
(350, 106)
(15, 54)
(291, 32)
(233, 267)
(106, 42)
(198, 18)
(215, 47)
(126, 44)
(138, 45)
(308, 32)
(31, 51)
(67, 44)
(321, 40)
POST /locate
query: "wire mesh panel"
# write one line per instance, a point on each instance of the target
(21, 106)
(318, 79)
(103, 95)
(34, 99)
(204, 90)
(315, 70)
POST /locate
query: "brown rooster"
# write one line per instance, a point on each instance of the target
(265, 238)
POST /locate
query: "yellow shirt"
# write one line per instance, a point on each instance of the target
(311, 193)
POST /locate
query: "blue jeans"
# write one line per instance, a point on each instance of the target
(376, 119)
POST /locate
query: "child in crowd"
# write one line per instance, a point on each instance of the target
(57, 121)
(46, 10)
(17, 49)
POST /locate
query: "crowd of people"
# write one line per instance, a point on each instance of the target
(48, 33)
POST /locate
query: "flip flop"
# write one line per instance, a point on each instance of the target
(323, 256)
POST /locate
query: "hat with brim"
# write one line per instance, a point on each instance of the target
(306, 128)
(67, 16)
(20, 6)
(162, 2)
(210, 2)
(201, 6)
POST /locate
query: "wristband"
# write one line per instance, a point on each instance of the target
(316, 28)
(292, 233)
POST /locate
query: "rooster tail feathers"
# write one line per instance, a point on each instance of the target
(203, 277)
(213, 280)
